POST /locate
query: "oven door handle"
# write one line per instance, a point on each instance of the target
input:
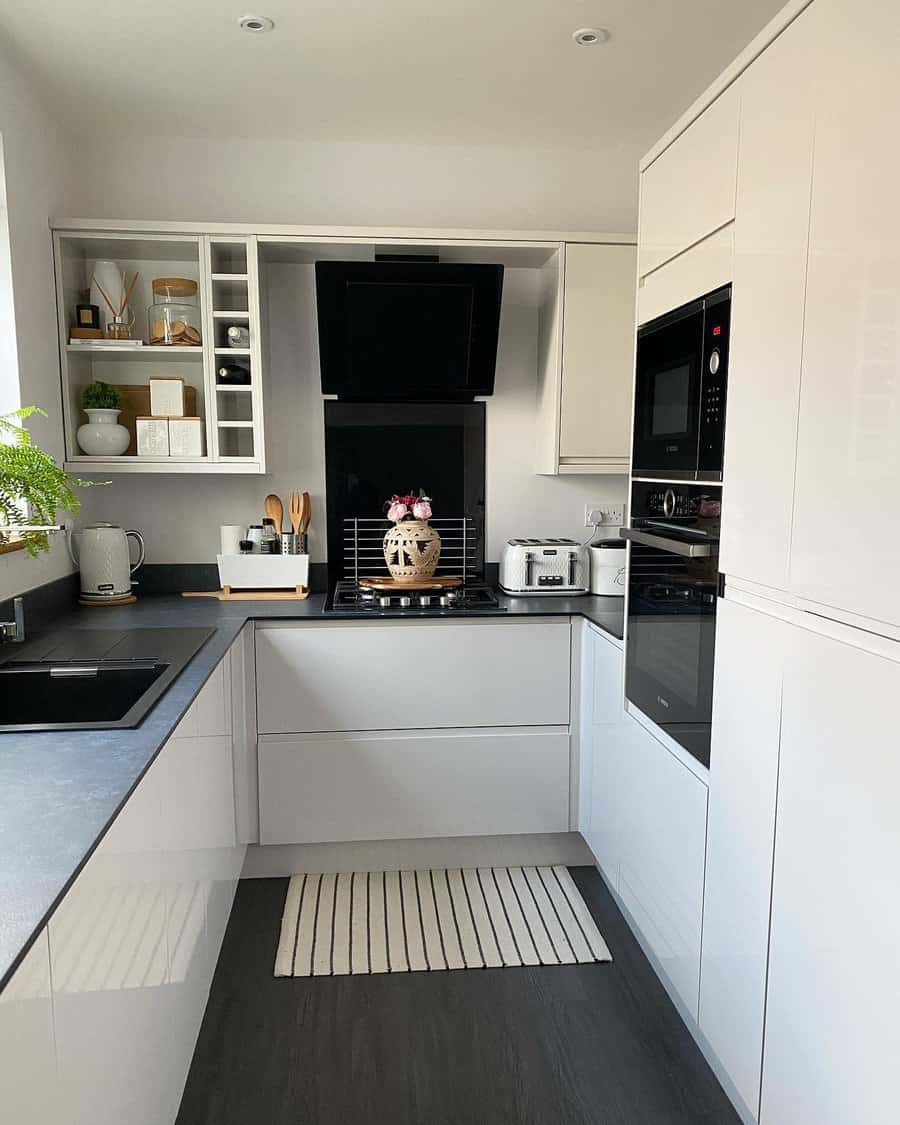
(673, 546)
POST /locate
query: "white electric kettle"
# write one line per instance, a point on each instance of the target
(104, 560)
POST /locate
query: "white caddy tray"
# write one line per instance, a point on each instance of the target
(263, 572)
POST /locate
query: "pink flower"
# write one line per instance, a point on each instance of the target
(397, 511)
(422, 510)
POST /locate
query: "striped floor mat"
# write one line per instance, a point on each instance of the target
(411, 921)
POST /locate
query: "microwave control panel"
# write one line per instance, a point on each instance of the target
(717, 321)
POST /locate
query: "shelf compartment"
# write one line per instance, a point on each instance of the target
(228, 258)
(148, 351)
(235, 441)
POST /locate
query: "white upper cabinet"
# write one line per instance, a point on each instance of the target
(586, 359)
(688, 191)
(848, 457)
(832, 1035)
(770, 243)
(597, 356)
(740, 838)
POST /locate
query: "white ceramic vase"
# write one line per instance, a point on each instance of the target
(102, 436)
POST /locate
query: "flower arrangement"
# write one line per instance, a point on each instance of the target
(408, 507)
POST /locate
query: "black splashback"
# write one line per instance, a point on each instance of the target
(373, 450)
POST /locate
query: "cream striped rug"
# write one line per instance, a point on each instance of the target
(411, 921)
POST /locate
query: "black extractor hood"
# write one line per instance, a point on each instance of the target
(408, 329)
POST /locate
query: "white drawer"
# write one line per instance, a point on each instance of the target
(412, 785)
(411, 674)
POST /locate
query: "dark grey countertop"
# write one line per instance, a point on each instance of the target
(60, 790)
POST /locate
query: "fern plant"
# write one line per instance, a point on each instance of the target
(29, 476)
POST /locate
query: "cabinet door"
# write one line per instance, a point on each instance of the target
(373, 676)
(740, 838)
(598, 354)
(846, 543)
(770, 242)
(28, 1086)
(412, 785)
(832, 1035)
(662, 842)
(688, 191)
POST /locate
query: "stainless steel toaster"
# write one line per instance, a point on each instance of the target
(544, 566)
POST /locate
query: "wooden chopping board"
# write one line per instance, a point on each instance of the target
(417, 584)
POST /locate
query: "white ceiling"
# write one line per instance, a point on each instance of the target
(407, 71)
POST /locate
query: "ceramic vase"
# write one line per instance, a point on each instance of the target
(411, 550)
(102, 436)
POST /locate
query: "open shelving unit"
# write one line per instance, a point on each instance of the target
(226, 271)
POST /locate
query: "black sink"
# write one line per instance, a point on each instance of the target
(80, 679)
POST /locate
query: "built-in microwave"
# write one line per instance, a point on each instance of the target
(680, 389)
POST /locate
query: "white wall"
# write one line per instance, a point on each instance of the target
(356, 184)
(35, 168)
(180, 515)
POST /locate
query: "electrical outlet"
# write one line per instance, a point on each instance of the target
(599, 515)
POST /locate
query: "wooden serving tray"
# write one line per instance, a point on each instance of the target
(226, 594)
(395, 585)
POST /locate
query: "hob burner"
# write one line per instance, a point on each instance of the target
(349, 599)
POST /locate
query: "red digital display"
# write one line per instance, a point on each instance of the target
(717, 331)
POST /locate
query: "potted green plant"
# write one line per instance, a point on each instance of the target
(33, 488)
(101, 435)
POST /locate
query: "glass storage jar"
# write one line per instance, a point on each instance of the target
(174, 316)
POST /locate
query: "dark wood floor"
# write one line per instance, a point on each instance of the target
(566, 1045)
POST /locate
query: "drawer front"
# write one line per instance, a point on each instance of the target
(412, 785)
(412, 675)
(689, 191)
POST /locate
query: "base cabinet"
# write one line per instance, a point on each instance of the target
(412, 785)
(131, 949)
(832, 1036)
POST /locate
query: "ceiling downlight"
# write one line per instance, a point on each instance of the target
(256, 25)
(590, 36)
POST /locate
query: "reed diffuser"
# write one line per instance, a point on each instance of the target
(119, 328)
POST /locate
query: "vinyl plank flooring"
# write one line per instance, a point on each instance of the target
(568, 1045)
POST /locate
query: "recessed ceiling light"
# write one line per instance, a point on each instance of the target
(255, 24)
(589, 36)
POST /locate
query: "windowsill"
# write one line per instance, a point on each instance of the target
(14, 543)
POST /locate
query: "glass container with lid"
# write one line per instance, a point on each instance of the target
(174, 316)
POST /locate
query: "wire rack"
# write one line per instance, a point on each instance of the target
(364, 548)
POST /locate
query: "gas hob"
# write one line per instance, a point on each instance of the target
(349, 599)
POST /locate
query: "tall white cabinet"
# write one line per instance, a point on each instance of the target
(832, 1036)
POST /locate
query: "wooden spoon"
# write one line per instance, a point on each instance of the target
(295, 509)
(275, 511)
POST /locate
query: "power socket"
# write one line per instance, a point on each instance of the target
(598, 515)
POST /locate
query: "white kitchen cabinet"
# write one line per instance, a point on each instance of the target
(134, 943)
(743, 784)
(411, 675)
(662, 849)
(688, 191)
(29, 1092)
(412, 785)
(846, 545)
(770, 245)
(586, 359)
(832, 1036)
(603, 742)
(706, 266)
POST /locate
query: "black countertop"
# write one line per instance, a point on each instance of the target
(60, 790)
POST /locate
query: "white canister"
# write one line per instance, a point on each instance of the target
(608, 568)
(231, 535)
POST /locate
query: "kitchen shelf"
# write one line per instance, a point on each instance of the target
(232, 351)
(148, 351)
(233, 314)
(235, 425)
(236, 388)
(229, 277)
(157, 465)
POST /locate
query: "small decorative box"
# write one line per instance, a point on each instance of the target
(185, 437)
(167, 397)
(152, 437)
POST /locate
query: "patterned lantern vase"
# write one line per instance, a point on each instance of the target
(411, 550)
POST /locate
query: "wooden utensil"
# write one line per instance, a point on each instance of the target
(275, 511)
(295, 509)
(307, 513)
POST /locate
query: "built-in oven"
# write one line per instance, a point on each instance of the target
(673, 587)
(680, 388)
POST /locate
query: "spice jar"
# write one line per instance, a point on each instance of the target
(174, 315)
